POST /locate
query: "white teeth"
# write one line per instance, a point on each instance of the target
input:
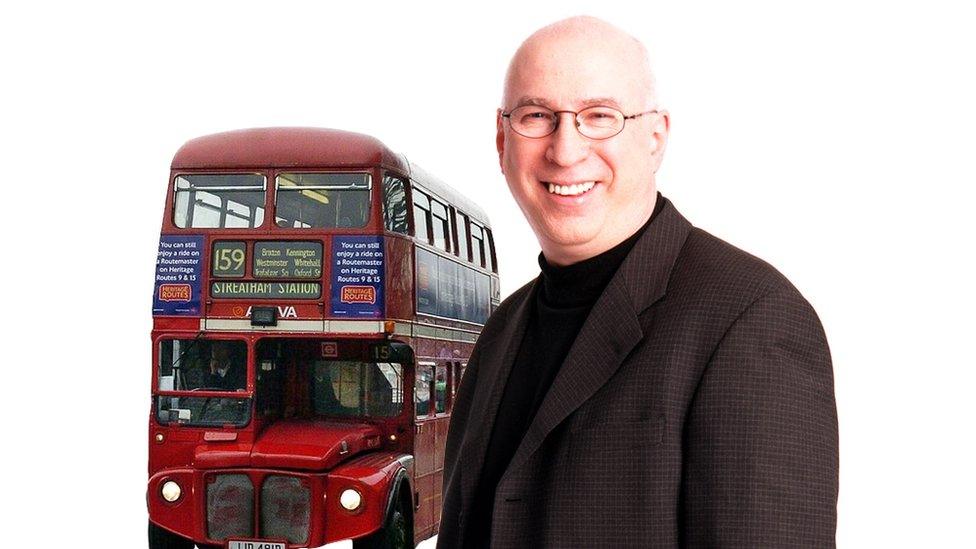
(571, 190)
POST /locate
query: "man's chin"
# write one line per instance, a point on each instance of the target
(569, 243)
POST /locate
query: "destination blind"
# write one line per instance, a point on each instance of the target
(265, 290)
(287, 260)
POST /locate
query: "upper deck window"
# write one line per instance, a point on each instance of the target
(214, 201)
(477, 245)
(421, 215)
(461, 221)
(395, 204)
(322, 200)
(441, 226)
(490, 252)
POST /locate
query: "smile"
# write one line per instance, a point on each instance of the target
(570, 190)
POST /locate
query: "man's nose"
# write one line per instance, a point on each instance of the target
(567, 145)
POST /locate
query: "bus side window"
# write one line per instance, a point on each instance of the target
(440, 388)
(490, 252)
(395, 204)
(477, 245)
(423, 389)
(455, 382)
(462, 235)
(441, 227)
(421, 216)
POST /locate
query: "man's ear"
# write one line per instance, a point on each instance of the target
(660, 129)
(500, 138)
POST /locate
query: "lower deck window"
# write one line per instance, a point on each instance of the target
(352, 388)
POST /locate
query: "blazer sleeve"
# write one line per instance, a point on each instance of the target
(761, 457)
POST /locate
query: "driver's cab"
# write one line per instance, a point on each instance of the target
(203, 366)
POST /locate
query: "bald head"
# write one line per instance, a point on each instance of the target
(581, 194)
(582, 42)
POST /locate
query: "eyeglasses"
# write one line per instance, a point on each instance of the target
(594, 122)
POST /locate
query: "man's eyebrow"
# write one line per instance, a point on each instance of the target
(601, 102)
(591, 102)
(530, 100)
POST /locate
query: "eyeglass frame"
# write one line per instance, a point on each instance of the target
(625, 118)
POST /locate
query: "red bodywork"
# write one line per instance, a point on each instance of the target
(373, 455)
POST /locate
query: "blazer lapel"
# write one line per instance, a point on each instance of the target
(495, 364)
(611, 330)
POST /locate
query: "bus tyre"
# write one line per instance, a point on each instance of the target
(396, 533)
(164, 539)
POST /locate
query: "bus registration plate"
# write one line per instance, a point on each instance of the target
(254, 544)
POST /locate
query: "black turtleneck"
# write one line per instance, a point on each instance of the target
(562, 300)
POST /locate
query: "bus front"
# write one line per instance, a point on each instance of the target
(280, 412)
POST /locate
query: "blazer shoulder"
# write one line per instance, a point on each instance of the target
(714, 270)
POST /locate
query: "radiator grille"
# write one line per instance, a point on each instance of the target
(230, 507)
(285, 509)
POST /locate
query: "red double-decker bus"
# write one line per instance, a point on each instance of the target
(317, 297)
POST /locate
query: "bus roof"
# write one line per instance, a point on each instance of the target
(309, 148)
(286, 148)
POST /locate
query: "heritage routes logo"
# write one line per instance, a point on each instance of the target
(358, 294)
(175, 292)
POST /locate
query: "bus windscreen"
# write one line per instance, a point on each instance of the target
(191, 365)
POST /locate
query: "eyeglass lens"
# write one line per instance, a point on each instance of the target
(593, 122)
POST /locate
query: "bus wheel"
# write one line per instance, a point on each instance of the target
(164, 539)
(396, 533)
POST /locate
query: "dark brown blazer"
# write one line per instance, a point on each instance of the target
(695, 409)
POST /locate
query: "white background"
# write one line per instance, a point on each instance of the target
(834, 140)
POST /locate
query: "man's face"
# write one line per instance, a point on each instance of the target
(220, 356)
(571, 75)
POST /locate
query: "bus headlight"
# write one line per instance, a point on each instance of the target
(350, 499)
(170, 491)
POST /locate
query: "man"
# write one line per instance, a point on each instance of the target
(224, 374)
(655, 386)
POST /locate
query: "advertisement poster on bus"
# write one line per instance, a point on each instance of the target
(357, 276)
(179, 268)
